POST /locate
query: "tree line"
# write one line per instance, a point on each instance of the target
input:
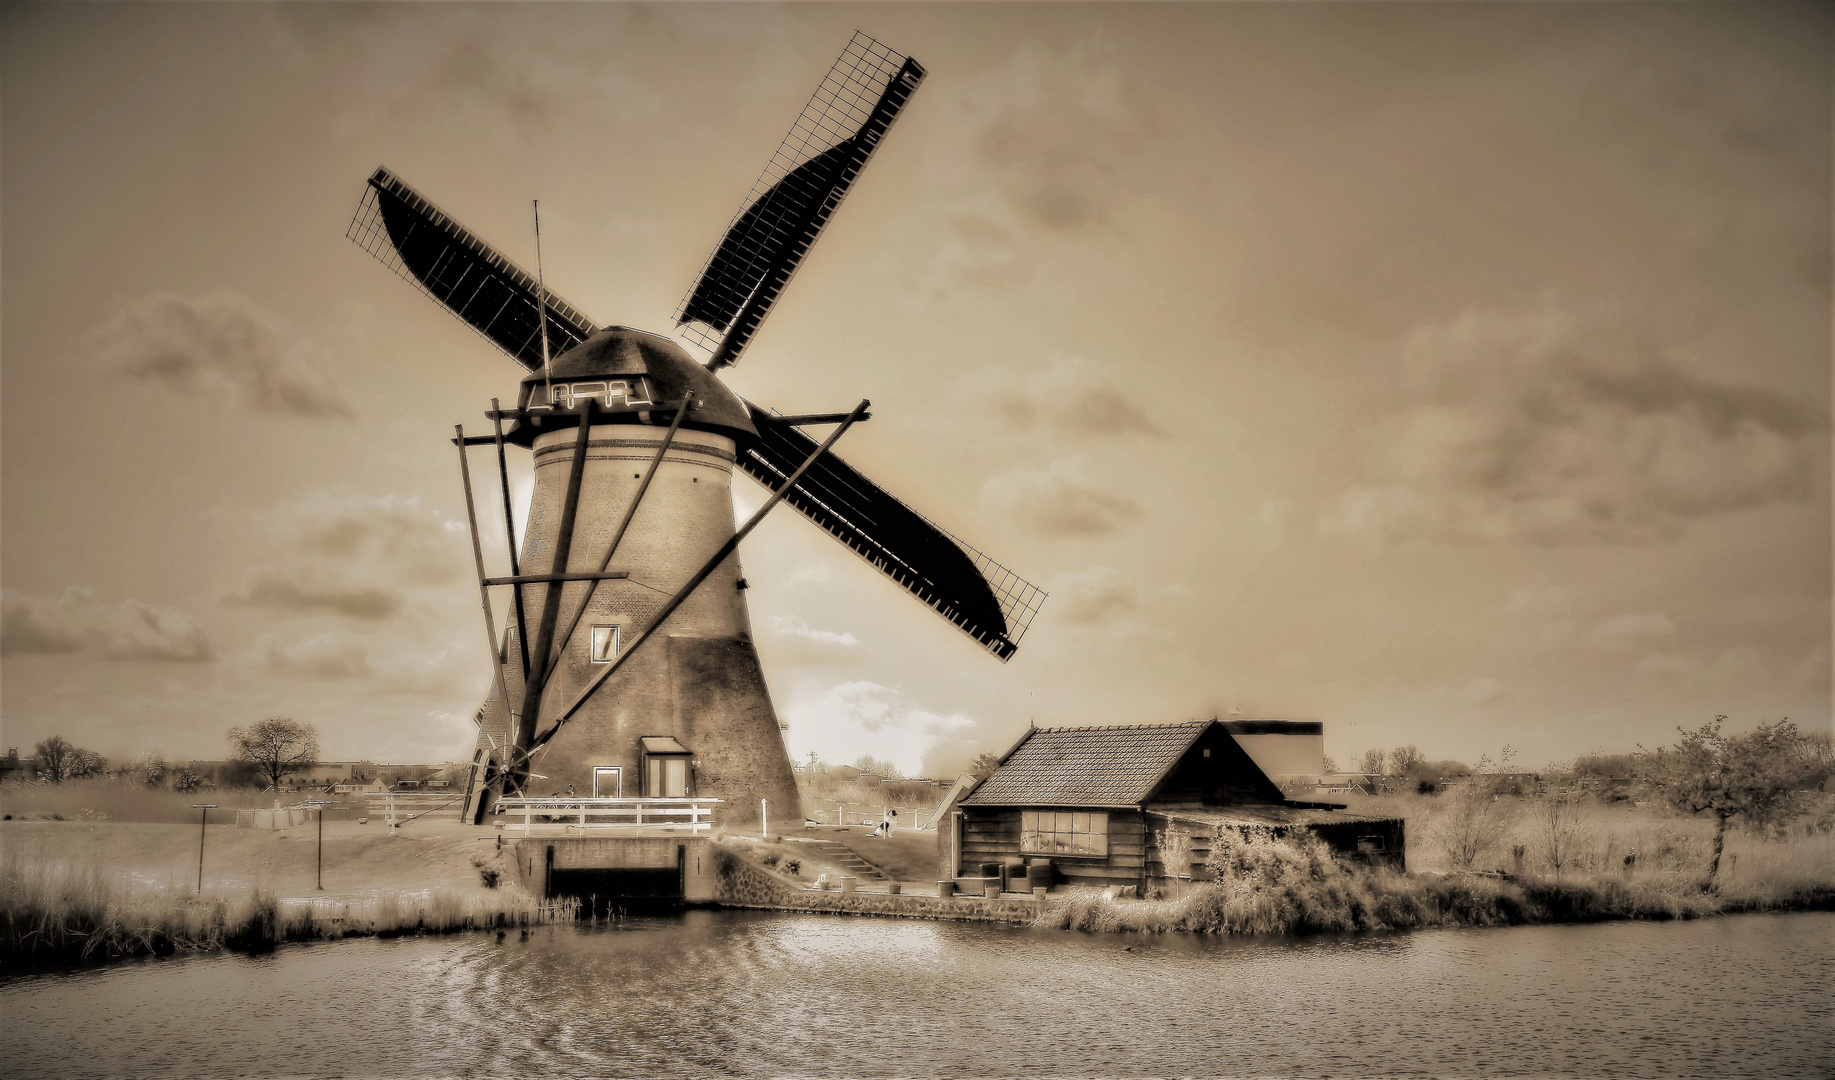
(269, 749)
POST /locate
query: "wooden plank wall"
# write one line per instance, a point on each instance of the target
(992, 836)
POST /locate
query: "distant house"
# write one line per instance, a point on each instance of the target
(14, 767)
(1092, 801)
(325, 774)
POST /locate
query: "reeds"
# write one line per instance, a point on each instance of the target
(1278, 886)
(52, 912)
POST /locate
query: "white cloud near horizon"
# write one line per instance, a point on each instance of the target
(842, 721)
(796, 642)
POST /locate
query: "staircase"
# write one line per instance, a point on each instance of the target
(845, 857)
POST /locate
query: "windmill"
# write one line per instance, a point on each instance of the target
(628, 667)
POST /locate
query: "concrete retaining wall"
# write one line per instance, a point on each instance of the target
(741, 883)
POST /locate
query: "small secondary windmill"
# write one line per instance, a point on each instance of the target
(628, 667)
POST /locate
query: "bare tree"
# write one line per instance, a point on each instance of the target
(1754, 776)
(1561, 827)
(1371, 762)
(885, 770)
(1405, 758)
(53, 757)
(1472, 825)
(276, 746)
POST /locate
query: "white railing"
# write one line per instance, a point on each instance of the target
(682, 814)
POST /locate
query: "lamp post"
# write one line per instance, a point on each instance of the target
(204, 809)
(321, 804)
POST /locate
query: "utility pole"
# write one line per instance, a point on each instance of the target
(204, 809)
(321, 804)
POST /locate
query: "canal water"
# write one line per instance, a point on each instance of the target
(716, 993)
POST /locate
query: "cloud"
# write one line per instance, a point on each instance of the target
(1537, 428)
(1268, 525)
(1483, 690)
(1070, 393)
(450, 671)
(224, 346)
(387, 530)
(1095, 596)
(1630, 631)
(277, 591)
(352, 556)
(1051, 130)
(795, 641)
(1038, 147)
(845, 720)
(1059, 500)
(331, 656)
(75, 623)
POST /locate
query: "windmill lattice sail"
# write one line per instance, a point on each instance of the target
(791, 202)
(984, 599)
(491, 294)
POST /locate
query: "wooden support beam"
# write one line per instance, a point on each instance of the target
(539, 579)
(815, 419)
(509, 528)
(701, 575)
(611, 549)
(484, 596)
(551, 608)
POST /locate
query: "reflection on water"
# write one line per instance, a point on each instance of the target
(719, 993)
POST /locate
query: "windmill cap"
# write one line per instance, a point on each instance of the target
(622, 352)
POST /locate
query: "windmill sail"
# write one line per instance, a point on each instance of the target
(491, 294)
(795, 196)
(986, 600)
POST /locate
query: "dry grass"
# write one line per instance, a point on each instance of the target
(1602, 834)
(118, 800)
(1288, 887)
(61, 912)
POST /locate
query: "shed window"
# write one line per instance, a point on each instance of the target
(605, 644)
(1064, 832)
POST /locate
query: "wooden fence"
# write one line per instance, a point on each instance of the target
(681, 814)
(830, 812)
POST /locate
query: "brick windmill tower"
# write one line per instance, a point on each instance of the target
(628, 667)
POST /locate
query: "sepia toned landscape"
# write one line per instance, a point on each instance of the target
(1220, 539)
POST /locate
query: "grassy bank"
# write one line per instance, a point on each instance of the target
(75, 890)
(64, 912)
(1267, 886)
(102, 799)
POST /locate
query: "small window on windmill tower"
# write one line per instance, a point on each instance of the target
(604, 644)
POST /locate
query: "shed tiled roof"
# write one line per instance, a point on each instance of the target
(1090, 766)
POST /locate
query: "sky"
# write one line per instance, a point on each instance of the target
(1457, 375)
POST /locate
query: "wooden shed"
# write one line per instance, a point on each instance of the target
(1090, 802)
